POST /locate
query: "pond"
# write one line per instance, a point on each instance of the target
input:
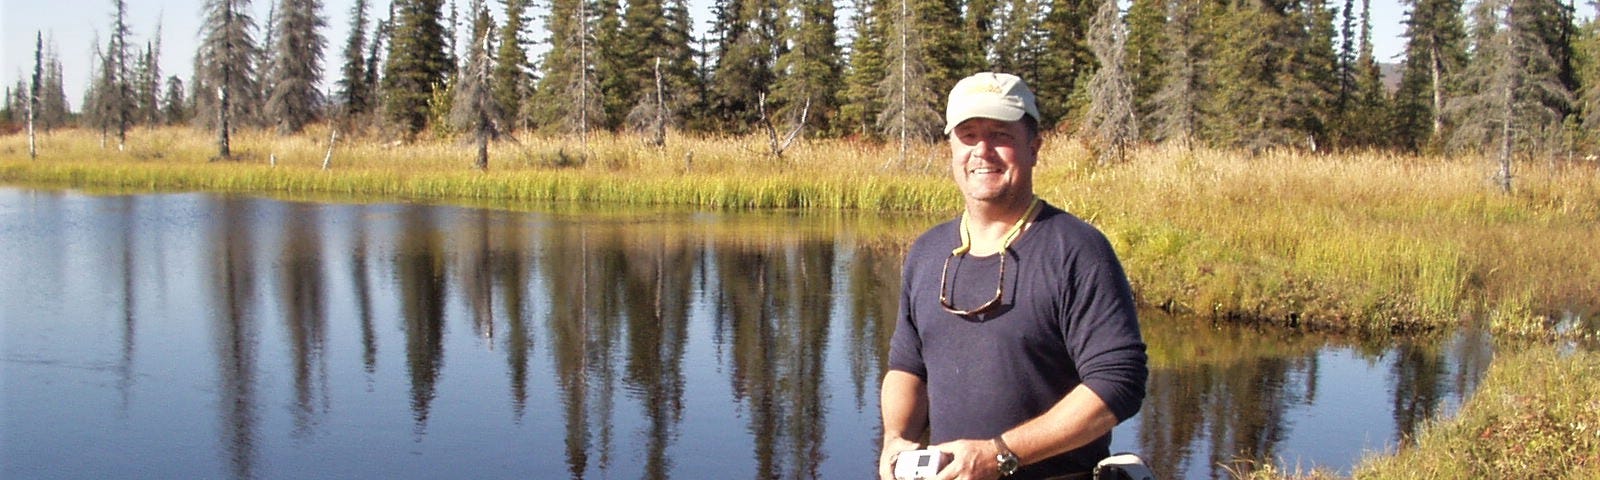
(205, 336)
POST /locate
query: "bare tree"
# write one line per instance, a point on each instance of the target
(1111, 108)
(474, 105)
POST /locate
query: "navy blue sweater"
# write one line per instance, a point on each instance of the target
(1066, 317)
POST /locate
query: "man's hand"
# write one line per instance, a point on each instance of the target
(891, 448)
(970, 460)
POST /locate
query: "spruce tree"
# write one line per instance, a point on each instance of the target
(33, 93)
(1147, 38)
(474, 109)
(53, 107)
(1513, 96)
(355, 94)
(297, 65)
(418, 64)
(1065, 68)
(225, 75)
(1110, 118)
(173, 108)
(979, 22)
(1588, 62)
(511, 80)
(1175, 116)
(568, 94)
(748, 45)
(809, 73)
(1435, 55)
(118, 100)
(1273, 75)
(910, 107)
(643, 37)
(1019, 46)
(867, 67)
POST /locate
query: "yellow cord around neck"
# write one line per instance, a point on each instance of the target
(1005, 242)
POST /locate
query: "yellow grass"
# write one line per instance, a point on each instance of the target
(1364, 242)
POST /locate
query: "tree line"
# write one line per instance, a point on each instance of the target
(1496, 76)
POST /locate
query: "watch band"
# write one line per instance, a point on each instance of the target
(1006, 460)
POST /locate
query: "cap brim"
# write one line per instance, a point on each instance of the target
(1004, 113)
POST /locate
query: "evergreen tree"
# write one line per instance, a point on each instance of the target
(614, 63)
(1177, 110)
(1147, 24)
(1435, 54)
(569, 95)
(910, 107)
(747, 47)
(376, 60)
(33, 92)
(1110, 118)
(474, 109)
(118, 102)
(1016, 47)
(1273, 75)
(979, 22)
(511, 80)
(1513, 96)
(1588, 61)
(355, 93)
(1366, 114)
(173, 109)
(809, 72)
(682, 63)
(643, 38)
(418, 64)
(297, 65)
(225, 76)
(861, 98)
(53, 107)
(1065, 68)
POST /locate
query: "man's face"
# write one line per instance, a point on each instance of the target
(992, 160)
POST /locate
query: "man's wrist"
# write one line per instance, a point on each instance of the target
(1006, 460)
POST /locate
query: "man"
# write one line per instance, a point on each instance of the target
(1017, 347)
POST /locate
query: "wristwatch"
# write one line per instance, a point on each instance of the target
(1008, 461)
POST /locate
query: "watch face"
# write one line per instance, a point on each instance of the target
(1008, 463)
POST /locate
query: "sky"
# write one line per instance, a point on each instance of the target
(74, 26)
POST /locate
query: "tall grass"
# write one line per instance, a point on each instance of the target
(1366, 242)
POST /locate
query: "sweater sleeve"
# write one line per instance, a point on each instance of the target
(1102, 327)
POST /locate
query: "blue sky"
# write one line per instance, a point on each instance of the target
(74, 25)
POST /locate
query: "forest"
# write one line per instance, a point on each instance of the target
(1504, 78)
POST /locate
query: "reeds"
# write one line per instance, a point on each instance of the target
(1364, 242)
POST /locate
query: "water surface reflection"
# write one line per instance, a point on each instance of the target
(201, 336)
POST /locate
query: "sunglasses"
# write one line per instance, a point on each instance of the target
(945, 292)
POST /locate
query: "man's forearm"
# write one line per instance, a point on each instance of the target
(1074, 421)
(904, 400)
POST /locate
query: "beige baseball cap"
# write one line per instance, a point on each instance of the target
(1000, 96)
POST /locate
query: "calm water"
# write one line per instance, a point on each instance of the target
(198, 336)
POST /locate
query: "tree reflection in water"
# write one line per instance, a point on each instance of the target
(665, 344)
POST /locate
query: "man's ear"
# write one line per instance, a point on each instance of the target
(1036, 144)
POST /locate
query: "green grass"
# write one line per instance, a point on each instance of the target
(1371, 243)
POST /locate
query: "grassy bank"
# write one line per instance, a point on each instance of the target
(1372, 243)
(1537, 415)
